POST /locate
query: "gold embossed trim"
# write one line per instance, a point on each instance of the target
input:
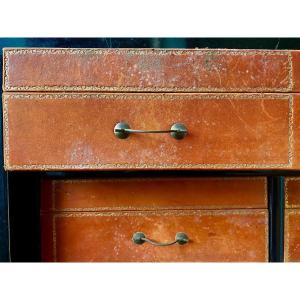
(161, 213)
(146, 96)
(152, 96)
(7, 52)
(145, 166)
(5, 132)
(244, 212)
(142, 51)
(286, 237)
(54, 184)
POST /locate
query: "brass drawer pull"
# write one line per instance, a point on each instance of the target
(122, 130)
(139, 238)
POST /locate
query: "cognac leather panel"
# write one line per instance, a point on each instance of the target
(292, 192)
(296, 130)
(154, 193)
(75, 131)
(240, 235)
(168, 70)
(292, 235)
(292, 219)
(295, 60)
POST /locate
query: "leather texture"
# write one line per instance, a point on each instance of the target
(292, 235)
(69, 131)
(292, 219)
(94, 219)
(292, 192)
(239, 235)
(153, 193)
(241, 109)
(167, 70)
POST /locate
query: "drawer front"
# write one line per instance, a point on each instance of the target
(292, 235)
(213, 236)
(153, 193)
(292, 219)
(292, 192)
(76, 131)
(151, 70)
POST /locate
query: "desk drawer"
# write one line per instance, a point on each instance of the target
(239, 235)
(154, 193)
(95, 219)
(76, 131)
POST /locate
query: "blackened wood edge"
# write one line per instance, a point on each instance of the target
(276, 218)
(4, 228)
(24, 216)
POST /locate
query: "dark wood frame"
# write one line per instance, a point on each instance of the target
(19, 191)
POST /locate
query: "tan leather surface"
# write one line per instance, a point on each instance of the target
(296, 130)
(292, 192)
(195, 70)
(153, 193)
(292, 235)
(239, 235)
(292, 219)
(295, 67)
(75, 131)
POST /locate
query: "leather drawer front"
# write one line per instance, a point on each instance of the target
(168, 70)
(292, 235)
(239, 235)
(75, 131)
(154, 194)
(292, 192)
(292, 219)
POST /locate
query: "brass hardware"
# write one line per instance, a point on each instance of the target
(180, 238)
(178, 131)
(122, 130)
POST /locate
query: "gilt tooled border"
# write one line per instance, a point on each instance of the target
(162, 213)
(149, 208)
(128, 96)
(99, 51)
(5, 131)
